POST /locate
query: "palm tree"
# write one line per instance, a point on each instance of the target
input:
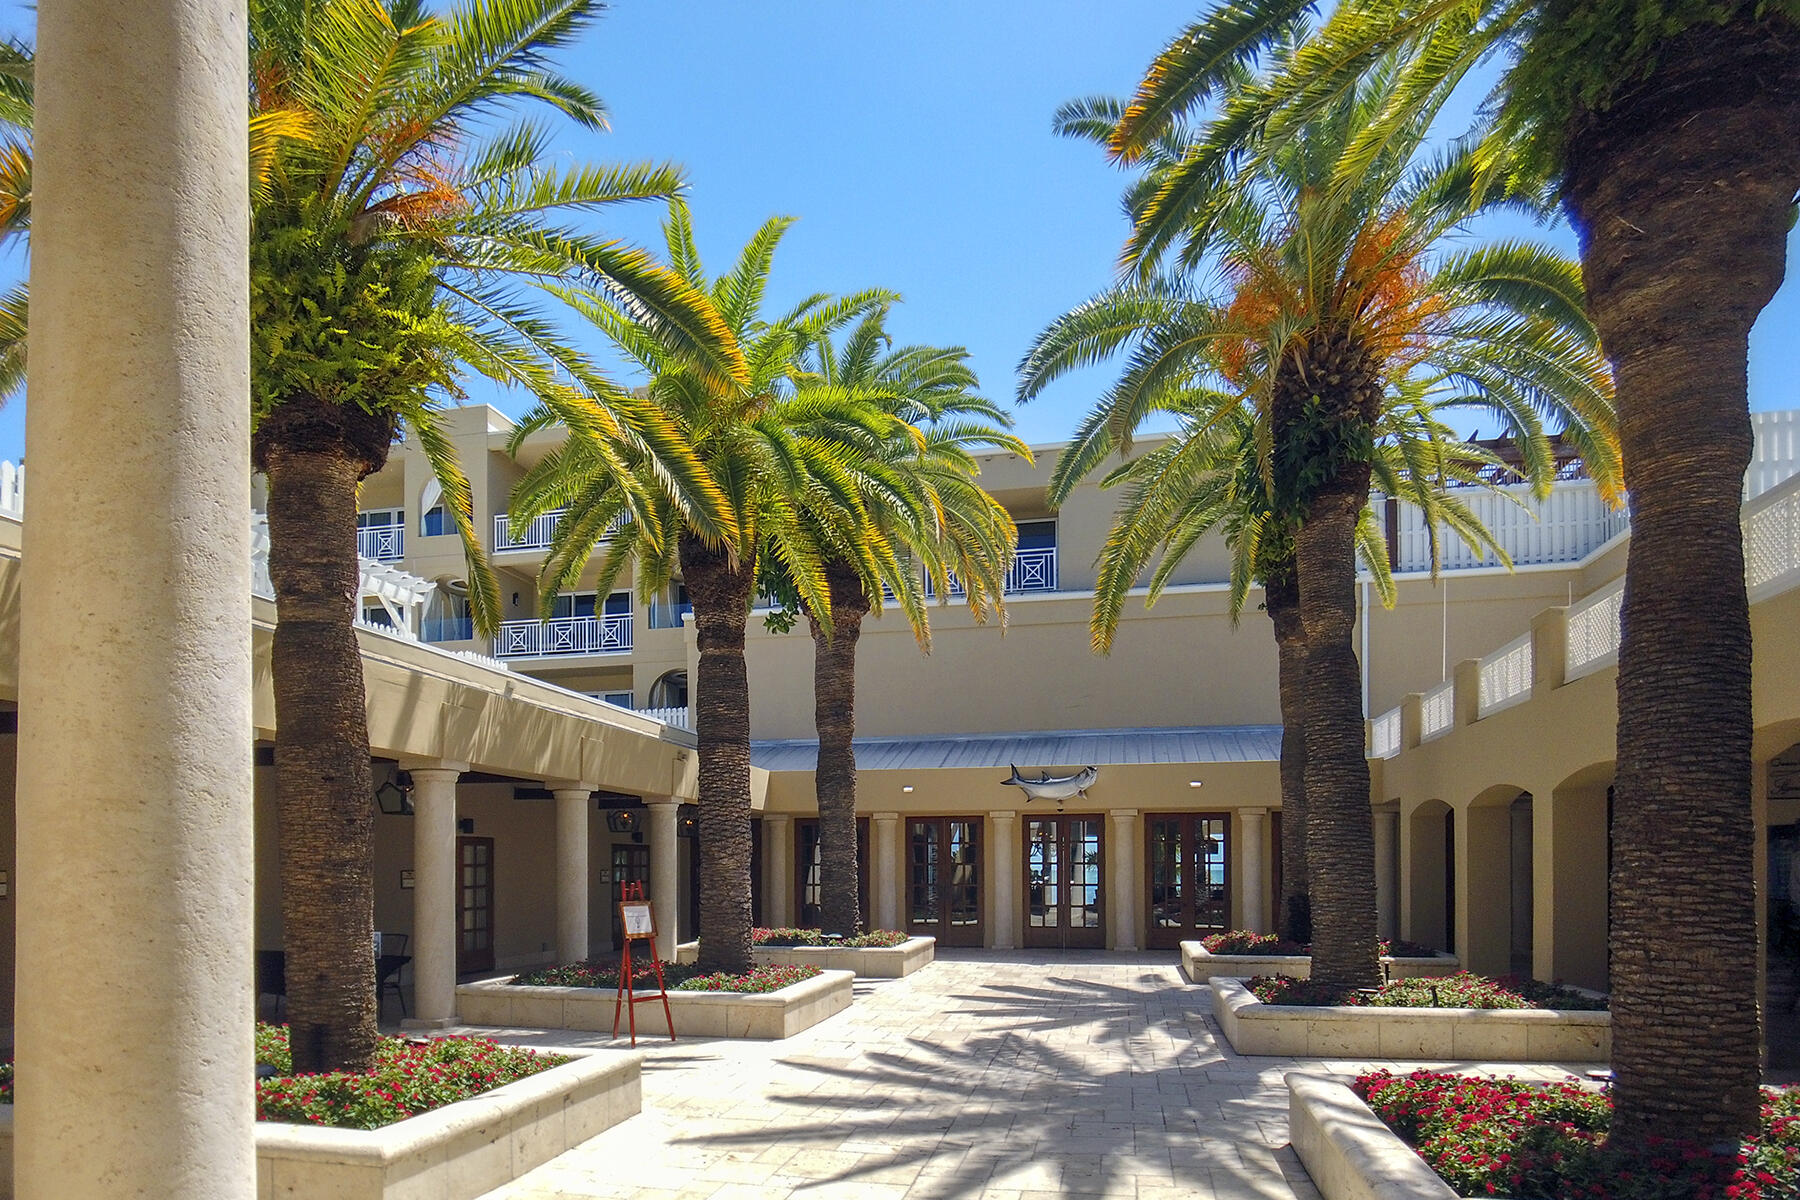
(922, 496)
(15, 201)
(394, 250)
(1324, 299)
(777, 457)
(1671, 136)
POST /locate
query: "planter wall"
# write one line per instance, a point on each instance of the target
(1434, 1034)
(1202, 966)
(777, 1014)
(868, 962)
(457, 1152)
(1348, 1151)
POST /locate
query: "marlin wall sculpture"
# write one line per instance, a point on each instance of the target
(1054, 787)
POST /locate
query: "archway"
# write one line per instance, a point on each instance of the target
(1430, 880)
(670, 690)
(1576, 861)
(1495, 864)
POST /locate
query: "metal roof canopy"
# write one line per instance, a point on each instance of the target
(1056, 748)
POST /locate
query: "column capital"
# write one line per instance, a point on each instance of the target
(658, 801)
(782, 818)
(1003, 814)
(561, 787)
(884, 816)
(414, 765)
(1253, 812)
(1121, 812)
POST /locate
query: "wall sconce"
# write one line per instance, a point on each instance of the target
(406, 877)
(622, 820)
(687, 821)
(394, 797)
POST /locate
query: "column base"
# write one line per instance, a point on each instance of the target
(428, 1024)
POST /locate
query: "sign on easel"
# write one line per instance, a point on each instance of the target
(638, 920)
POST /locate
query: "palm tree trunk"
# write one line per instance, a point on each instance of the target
(315, 455)
(834, 715)
(1682, 195)
(1282, 598)
(720, 592)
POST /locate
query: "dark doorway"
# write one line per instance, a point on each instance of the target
(475, 905)
(808, 880)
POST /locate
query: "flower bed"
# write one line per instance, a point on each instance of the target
(877, 939)
(408, 1079)
(765, 1003)
(350, 1141)
(1240, 954)
(1462, 990)
(1486, 1136)
(1521, 1034)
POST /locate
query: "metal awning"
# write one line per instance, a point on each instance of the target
(1055, 748)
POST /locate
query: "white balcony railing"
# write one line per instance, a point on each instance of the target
(678, 717)
(1506, 676)
(1437, 712)
(1593, 631)
(1032, 571)
(541, 532)
(1384, 734)
(1566, 526)
(564, 635)
(383, 543)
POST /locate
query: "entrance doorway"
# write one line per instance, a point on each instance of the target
(630, 864)
(1065, 904)
(809, 871)
(943, 879)
(1189, 877)
(475, 905)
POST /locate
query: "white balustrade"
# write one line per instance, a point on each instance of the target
(542, 531)
(1593, 631)
(1506, 676)
(1772, 540)
(564, 635)
(678, 717)
(1384, 734)
(383, 543)
(1437, 711)
(1566, 526)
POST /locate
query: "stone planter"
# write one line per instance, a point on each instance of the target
(1202, 966)
(868, 962)
(457, 1152)
(776, 1014)
(1434, 1034)
(1348, 1151)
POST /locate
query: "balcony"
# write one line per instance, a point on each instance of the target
(541, 532)
(610, 634)
(383, 543)
(1033, 570)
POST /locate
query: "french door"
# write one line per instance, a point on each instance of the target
(943, 879)
(475, 904)
(630, 864)
(1189, 876)
(1064, 880)
(809, 872)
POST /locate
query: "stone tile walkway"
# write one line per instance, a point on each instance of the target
(989, 1074)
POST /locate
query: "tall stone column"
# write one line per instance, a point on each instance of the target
(435, 880)
(1253, 843)
(1122, 886)
(665, 872)
(1003, 836)
(884, 871)
(573, 803)
(778, 870)
(1387, 872)
(134, 816)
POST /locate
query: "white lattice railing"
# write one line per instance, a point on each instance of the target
(383, 543)
(564, 635)
(1506, 676)
(1384, 734)
(1772, 541)
(1437, 711)
(678, 717)
(1566, 526)
(1593, 632)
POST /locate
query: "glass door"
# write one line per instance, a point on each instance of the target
(1189, 876)
(1065, 902)
(630, 864)
(475, 920)
(943, 880)
(809, 872)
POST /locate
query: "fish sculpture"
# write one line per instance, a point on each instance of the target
(1054, 787)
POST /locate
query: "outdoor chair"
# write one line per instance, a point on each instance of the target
(388, 965)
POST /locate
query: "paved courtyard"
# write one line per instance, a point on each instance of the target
(988, 1074)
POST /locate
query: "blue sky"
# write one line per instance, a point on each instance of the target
(912, 140)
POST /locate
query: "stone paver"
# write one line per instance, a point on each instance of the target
(988, 1074)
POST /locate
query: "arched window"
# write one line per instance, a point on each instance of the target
(434, 518)
(670, 691)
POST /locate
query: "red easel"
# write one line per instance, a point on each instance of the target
(639, 926)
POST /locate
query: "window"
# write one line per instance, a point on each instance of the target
(434, 519)
(376, 614)
(581, 604)
(447, 617)
(1037, 535)
(380, 518)
(620, 699)
(670, 691)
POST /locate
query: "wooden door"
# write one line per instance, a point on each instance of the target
(1188, 877)
(1065, 896)
(630, 864)
(944, 879)
(807, 881)
(475, 905)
